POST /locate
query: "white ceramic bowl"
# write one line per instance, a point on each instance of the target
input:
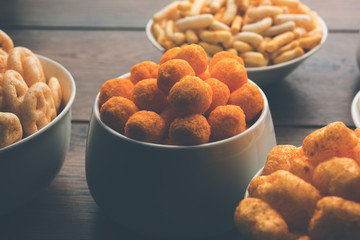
(355, 110)
(178, 192)
(262, 76)
(29, 165)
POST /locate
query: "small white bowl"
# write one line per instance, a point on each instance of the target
(262, 76)
(178, 192)
(355, 110)
(29, 165)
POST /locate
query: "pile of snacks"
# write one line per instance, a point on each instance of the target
(262, 32)
(27, 101)
(311, 192)
(183, 100)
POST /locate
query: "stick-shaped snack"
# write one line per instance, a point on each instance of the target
(241, 46)
(195, 22)
(230, 12)
(287, 47)
(216, 5)
(278, 29)
(287, 3)
(252, 38)
(196, 7)
(167, 12)
(215, 36)
(259, 26)
(184, 6)
(236, 24)
(310, 42)
(299, 19)
(217, 25)
(254, 59)
(191, 36)
(299, 32)
(289, 55)
(261, 12)
(211, 48)
(279, 41)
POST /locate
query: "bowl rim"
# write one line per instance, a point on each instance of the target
(63, 112)
(248, 131)
(254, 69)
(355, 110)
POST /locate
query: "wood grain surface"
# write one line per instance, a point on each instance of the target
(100, 40)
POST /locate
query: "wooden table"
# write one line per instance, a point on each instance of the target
(99, 40)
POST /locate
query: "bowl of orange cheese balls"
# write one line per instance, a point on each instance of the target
(36, 95)
(311, 192)
(172, 145)
(273, 37)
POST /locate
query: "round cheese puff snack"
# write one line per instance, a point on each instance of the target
(145, 126)
(171, 72)
(10, 129)
(147, 96)
(38, 108)
(338, 177)
(303, 168)
(144, 70)
(14, 91)
(249, 98)
(169, 54)
(292, 197)
(25, 62)
(280, 158)
(226, 121)
(224, 54)
(195, 55)
(3, 60)
(190, 95)
(191, 129)
(221, 93)
(335, 218)
(169, 115)
(230, 72)
(116, 111)
(55, 87)
(255, 219)
(115, 87)
(205, 75)
(6, 42)
(335, 139)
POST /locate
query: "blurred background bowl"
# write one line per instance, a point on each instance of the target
(355, 110)
(29, 165)
(178, 192)
(263, 76)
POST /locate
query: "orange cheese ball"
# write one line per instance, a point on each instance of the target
(169, 115)
(145, 126)
(169, 54)
(224, 54)
(205, 75)
(147, 96)
(116, 111)
(226, 121)
(143, 70)
(230, 72)
(191, 129)
(115, 87)
(249, 98)
(195, 55)
(221, 93)
(190, 95)
(171, 72)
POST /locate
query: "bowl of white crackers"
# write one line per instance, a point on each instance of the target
(273, 39)
(35, 125)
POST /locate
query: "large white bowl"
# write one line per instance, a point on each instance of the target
(178, 192)
(29, 165)
(355, 110)
(262, 76)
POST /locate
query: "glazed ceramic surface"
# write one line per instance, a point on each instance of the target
(355, 110)
(28, 166)
(174, 191)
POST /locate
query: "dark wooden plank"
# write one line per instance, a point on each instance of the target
(135, 13)
(318, 92)
(66, 210)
